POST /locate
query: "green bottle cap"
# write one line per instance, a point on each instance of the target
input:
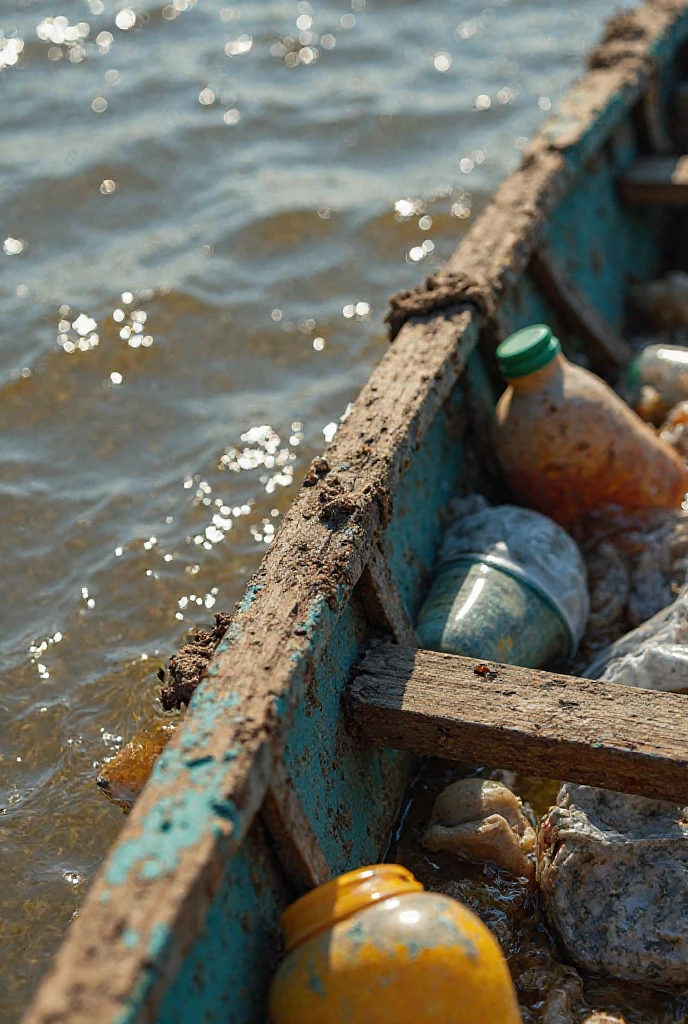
(526, 351)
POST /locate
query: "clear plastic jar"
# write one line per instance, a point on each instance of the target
(657, 380)
(511, 586)
(482, 611)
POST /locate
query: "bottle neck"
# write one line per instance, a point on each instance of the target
(343, 896)
(540, 378)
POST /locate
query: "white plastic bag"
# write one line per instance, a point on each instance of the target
(653, 656)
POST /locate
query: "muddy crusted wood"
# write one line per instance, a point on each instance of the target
(561, 727)
(656, 181)
(606, 345)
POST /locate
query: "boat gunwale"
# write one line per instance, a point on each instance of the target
(150, 899)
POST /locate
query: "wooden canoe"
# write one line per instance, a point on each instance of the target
(283, 774)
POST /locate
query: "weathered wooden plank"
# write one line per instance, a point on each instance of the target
(384, 606)
(605, 343)
(298, 849)
(561, 727)
(656, 181)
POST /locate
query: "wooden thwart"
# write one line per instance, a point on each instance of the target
(657, 181)
(556, 726)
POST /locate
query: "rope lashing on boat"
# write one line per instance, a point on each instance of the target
(440, 291)
(626, 37)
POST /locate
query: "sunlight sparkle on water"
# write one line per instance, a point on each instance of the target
(9, 51)
(236, 47)
(125, 19)
(12, 246)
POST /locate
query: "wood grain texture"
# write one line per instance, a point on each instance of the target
(297, 846)
(384, 606)
(656, 181)
(606, 346)
(561, 727)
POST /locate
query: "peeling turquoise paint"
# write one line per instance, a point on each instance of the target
(350, 792)
(160, 939)
(598, 243)
(234, 631)
(130, 938)
(173, 824)
(282, 704)
(183, 818)
(225, 978)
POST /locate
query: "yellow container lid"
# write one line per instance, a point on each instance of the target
(343, 896)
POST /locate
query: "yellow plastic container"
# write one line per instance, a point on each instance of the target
(372, 947)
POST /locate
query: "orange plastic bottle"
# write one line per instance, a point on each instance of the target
(567, 443)
(371, 947)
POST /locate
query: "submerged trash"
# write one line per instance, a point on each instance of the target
(372, 947)
(567, 443)
(123, 777)
(563, 999)
(657, 380)
(613, 870)
(510, 587)
(664, 302)
(479, 820)
(654, 656)
(636, 566)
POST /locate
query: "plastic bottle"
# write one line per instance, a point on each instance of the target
(657, 380)
(566, 443)
(511, 586)
(371, 947)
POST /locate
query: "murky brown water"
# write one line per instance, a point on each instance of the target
(203, 210)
